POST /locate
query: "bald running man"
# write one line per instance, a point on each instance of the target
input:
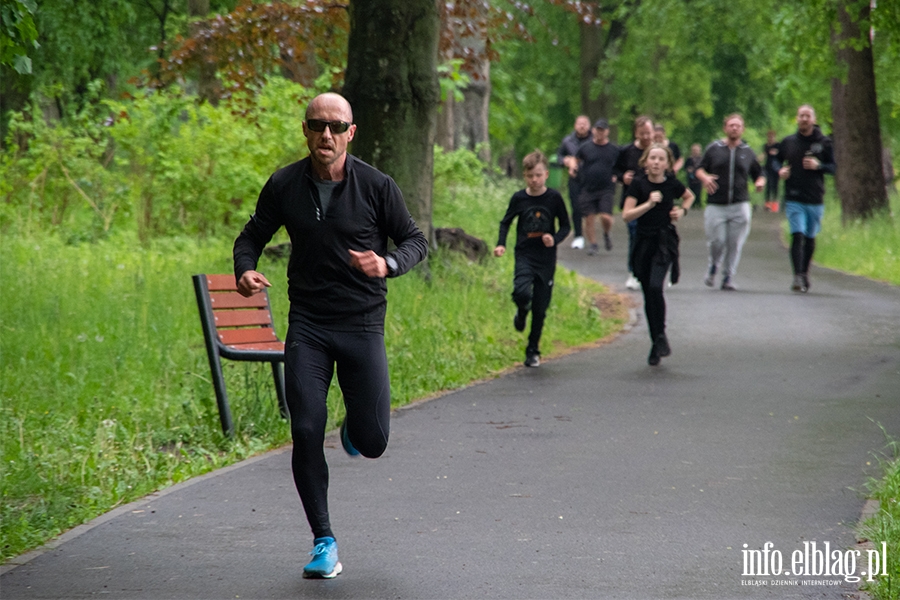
(339, 213)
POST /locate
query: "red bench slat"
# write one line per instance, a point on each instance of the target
(247, 336)
(242, 318)
(222, 300)
(221, 283)
(276, 346)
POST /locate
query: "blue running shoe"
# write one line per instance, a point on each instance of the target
(345, 441)
(324, 564)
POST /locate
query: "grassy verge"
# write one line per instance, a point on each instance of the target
(104, 382)
(868, 248)
(871, 249)
(884, 526)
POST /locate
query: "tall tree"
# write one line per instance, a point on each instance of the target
(208, 86)
(254, 41)
(391, 82)
(463, 118)
(854, 107)
(600, 43)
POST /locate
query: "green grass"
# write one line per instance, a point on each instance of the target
(872, 249)
(869, 248)
(104, 382)
(885, 525)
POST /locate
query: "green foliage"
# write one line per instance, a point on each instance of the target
(452, 80)
(160, 162)
(18, 34)
(56, 177)
(535, 84)
(687, 64)
(84, 41)
(464, 196)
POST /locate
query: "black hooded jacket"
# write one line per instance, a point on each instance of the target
(806, 185)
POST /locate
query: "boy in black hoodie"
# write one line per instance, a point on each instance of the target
(537, 208)
(806, 156)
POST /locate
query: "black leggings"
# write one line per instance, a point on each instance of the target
(532, 291)
(652, 284)
(771, 185)
(574, 196)
(309, 359)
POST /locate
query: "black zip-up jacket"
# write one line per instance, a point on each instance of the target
(733, 166)
(366, 209)
(806, 185)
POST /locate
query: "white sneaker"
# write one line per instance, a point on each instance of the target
(578, 243)
(632, 283)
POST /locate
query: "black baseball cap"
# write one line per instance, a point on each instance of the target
(601, 124)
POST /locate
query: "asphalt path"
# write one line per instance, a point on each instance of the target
(593, 476)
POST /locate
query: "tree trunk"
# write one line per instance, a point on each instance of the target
(391, 83)
(591, 38)
(470, 122)
(444, 133)
(857, 133)
(463, 123)
(597, 47)
(208, 87)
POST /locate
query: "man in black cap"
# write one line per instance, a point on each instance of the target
(598, 184)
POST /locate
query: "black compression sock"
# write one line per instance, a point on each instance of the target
(797, 252)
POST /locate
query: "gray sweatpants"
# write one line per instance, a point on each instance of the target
(727, 228)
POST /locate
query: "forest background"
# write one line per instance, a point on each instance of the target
(137, 134)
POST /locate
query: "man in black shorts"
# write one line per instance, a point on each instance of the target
(340, 213)
(598, 185)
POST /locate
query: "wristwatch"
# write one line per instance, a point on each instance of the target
(392, 266)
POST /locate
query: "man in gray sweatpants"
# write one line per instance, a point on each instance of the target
(724, 170)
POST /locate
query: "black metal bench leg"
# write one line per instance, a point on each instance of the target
(215, 367)
(278, 375)
(215, 361)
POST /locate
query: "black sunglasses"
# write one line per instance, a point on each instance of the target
(318, 125)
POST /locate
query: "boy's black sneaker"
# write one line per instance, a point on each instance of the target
(519, 320)
(533, 360)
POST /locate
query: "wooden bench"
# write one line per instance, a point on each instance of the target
(237, 328)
